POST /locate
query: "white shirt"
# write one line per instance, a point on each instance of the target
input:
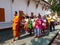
(53, 18)
(26, 20)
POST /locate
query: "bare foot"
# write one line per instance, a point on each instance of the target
(13, 40)
(35, 36)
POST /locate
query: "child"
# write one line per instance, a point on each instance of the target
(44, 24)
(33, 24)
(26, 26)
(30, 26)
(37, 28)
(48, 22)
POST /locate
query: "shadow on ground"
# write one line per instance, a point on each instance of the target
(44, 40)
(5, 35)
(8, 34)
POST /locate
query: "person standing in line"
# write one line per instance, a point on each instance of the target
(26, 24)
(44, 24)
(59, 20)
(39, 16)
(30, 26)
(33, 26)
(37, 28)
(52, 25)
(48, 21)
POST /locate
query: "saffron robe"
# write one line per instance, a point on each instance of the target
(16, 26)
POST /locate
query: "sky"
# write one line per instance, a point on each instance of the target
(45, 0)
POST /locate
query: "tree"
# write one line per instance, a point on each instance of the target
(55, 6)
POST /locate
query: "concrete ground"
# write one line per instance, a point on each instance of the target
(25, 39)
(56, 40)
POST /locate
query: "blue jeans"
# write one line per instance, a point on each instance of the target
(37, 32)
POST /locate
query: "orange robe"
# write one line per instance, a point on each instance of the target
(16, 26)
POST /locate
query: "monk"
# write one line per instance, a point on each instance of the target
(16, 26)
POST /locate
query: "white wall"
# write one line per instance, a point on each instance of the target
(6, 5)
(31, 8)
(19, 5)
(39, 10)
(22, 5)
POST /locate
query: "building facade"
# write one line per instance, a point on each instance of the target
(20, 5)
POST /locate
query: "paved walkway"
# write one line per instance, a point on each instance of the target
(25, 39)
(56, 40)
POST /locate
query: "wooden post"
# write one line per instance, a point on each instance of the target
(12, 1)
(36, 6)
(28, 2)
(21, 14)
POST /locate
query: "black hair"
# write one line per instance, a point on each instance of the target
(39, 16)
(23, 17)
(15, 12)
(27, 16)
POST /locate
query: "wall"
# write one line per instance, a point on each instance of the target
(19, 5)
(22, 5)
(6, 5)
(31, 8)
(39, 10)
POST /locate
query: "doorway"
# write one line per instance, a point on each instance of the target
(2, 15)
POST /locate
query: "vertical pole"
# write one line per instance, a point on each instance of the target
(11, 8)
(26, 7)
